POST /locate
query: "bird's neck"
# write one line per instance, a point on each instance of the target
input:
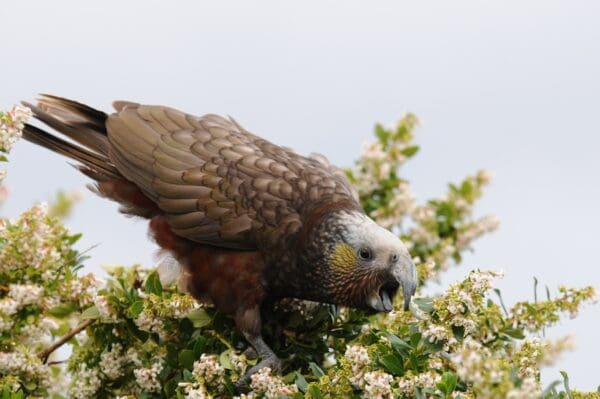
(304, 269)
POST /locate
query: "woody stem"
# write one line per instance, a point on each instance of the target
(60, 342)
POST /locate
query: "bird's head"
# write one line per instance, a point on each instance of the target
(364, 263)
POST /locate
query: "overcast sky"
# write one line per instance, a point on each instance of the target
(511, 86)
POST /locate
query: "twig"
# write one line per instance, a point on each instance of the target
(222, 339)
(46, 352)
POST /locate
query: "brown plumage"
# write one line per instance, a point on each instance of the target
(248, 220)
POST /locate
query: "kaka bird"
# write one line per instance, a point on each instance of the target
(249, 221)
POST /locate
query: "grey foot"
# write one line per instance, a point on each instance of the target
(271, 361)
(251, 353)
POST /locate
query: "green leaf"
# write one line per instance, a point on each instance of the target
(448, 383)
(392, 364)
(90, 313)
(514, 333)
(316, 370)
(199, 346)
(225, 359)
(29, 385)
(63, 310)
(399, 345)
(314, 391)
(499, 294)
(199, 318)
(153, 285)
(382, 134)
(301, 382)
(419, 393)
(72, 239)
(565, 377)
(410, 151)
(136, 308)
(186, 358)
(424, 303)
(188, 376)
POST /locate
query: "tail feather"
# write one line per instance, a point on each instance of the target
(90, 149)
(91, 160)
(80, 123)
(96, 119)
(72, 125)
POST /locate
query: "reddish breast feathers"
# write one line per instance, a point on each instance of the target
(232, 280)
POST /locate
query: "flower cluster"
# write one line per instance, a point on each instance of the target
(156, 309)
(112, 362)
(85, 382)
(387, 198)
(36, 259)
(445, 227)
(147, 377)
(12, 124)
(268, 386)
(536, 316)
(208, 370)
(358, 357)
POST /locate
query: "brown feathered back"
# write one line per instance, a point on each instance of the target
(215, 182)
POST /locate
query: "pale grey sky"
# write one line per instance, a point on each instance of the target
(512, 86)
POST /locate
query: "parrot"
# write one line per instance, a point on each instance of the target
(248, 221)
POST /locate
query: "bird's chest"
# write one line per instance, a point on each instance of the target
(229, 279)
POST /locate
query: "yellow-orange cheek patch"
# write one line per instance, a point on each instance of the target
(343, 257)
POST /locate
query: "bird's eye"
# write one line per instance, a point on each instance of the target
(364, 253)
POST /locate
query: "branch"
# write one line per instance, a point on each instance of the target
(46, 352)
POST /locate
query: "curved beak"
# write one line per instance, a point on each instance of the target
(405, 274)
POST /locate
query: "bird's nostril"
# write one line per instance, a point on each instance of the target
(394, 258)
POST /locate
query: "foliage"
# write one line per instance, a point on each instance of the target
(130, 336)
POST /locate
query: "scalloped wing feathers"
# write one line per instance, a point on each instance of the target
(217, 183)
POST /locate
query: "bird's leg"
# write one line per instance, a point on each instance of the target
(249, 323)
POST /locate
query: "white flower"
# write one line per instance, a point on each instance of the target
(197, 393)
(24, 363)
(107, 312)
(427, 380)
(272, 387)
(132, 356)
(208, 369)
(39, 333)
(435, 333)
(358, 355)
(147, 378)
(112, 362)
(529, 389)
(11, 126)
(25, 294)
(85, 382)
(484, 176)
(147, 322)
(378, 385)
(359, 360)
(373, 151)
(8, 306)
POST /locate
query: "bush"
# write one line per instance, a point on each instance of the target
(130, 336)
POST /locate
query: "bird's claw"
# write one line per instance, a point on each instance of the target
(250, 353)
(272, 362)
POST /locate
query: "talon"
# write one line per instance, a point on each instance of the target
(251, 353)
